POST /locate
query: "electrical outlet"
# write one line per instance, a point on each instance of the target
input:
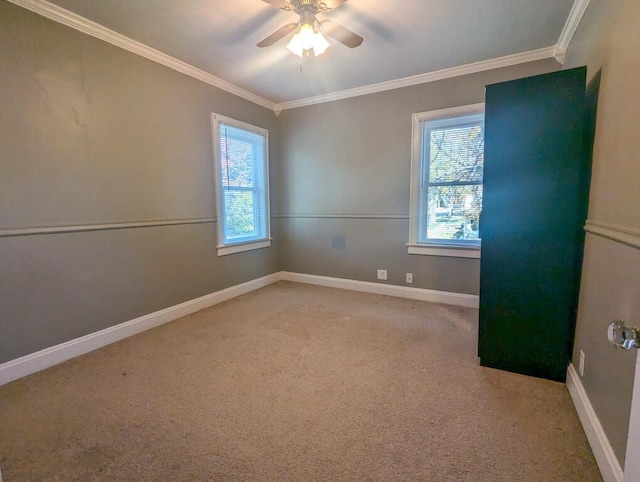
(409, 278)
(581, 364)
(382, 274)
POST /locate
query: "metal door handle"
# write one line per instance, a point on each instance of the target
(623, 336)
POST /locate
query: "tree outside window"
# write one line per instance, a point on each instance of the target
(446, 181)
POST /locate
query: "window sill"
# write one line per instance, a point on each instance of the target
(240, 247)
(447, 250)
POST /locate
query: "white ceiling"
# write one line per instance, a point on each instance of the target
(402, 38)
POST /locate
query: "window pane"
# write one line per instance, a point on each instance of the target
(456, 154)
(236, 156)
(239, 221)
(453, 212)
(242, 190)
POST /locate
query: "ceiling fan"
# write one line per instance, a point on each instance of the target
(308, 39)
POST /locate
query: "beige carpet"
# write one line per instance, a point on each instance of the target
(294, 382)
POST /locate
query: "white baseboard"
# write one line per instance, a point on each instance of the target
(459, 299)
(606, 459)
(34, 362)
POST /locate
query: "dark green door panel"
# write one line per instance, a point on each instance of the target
(532, 216)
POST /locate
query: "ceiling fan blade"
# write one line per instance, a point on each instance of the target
(341, 34)
(277, 35)
(279, 4)
(331, 4)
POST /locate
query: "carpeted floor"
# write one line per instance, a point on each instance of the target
(294, 382)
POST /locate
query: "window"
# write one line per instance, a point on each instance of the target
(446, 182)
(241, 185)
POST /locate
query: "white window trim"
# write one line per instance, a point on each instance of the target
(436, 248)
(240, 247)
(223, 248)
(443, 250)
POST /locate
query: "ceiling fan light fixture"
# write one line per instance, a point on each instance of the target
(320, 44)
(307, 39)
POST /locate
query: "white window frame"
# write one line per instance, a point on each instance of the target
(453, 248)
(225, 247)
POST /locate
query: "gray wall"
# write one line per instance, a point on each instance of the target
(607, 40)
(91, 134)
(345, 170)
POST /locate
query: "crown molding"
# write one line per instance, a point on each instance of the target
(506, 61)
(84, 25)
(569, 29)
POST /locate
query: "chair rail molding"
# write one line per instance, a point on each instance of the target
(622, 234)
(76, 228)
